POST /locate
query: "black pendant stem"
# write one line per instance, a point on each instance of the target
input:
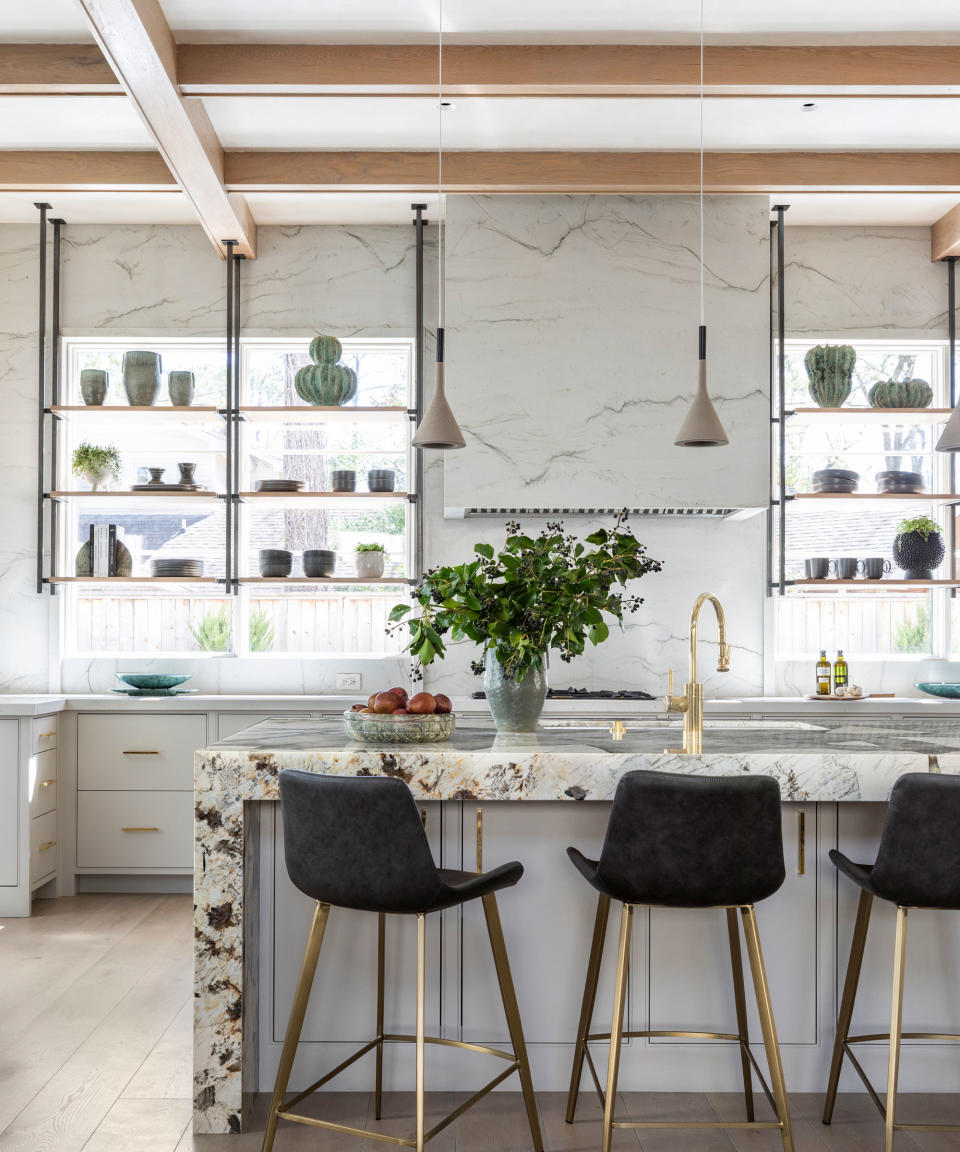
(703, 342)
(439, 345)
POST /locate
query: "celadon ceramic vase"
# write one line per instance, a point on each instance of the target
(141, 378)
(181, 388)
(515, 707)
(94, 383)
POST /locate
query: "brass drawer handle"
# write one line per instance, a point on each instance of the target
(618, 730)
(49, 844)
(153, 828)
(139, 752)
(46, 783)
(45, 735)
(479, 839)
(801, 842)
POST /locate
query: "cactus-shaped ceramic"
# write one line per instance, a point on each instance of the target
(901, 394)
(830, 373)
(326, 383)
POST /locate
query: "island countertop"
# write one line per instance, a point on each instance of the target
(820, 758)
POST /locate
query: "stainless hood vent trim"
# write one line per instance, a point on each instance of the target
(679, 513)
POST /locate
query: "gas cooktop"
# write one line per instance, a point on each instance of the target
(587, 694)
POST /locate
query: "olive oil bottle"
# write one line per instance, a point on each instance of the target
(823, 674)
(840, 675)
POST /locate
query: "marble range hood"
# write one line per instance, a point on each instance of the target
(572, 354)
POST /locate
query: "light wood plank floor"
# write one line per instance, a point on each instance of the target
(95, 1015)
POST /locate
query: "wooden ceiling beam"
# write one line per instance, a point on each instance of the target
(508, 69)
(566, 69)
(139, 46)
(945, 235)
(593, 172)
(492, 172)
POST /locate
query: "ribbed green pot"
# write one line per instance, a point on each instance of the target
(830, 373)
(901, 394)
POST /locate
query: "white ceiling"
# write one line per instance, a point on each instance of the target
(99, 207)
(71, 122)
(799, 21)
(730, 123)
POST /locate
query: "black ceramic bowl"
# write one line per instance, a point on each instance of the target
(343, 480)
(319, 562)
(830, 474)
(381, 479)
(899, 481)
(275, 562)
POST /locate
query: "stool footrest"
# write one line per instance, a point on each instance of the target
(696, 1124)
(399, 1038)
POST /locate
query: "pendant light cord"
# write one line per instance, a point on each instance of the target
(441, 207)
(702, 314)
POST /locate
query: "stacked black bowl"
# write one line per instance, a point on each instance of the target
(181, 567)
(899, 483)
(275, 562)
(835, 481)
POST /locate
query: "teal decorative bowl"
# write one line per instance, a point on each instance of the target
(386, 729)
(941, 688)
(152, 681)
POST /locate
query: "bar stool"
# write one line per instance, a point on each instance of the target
(686, 842)
(358, 842)
(917, 866)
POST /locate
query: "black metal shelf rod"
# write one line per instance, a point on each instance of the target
(416, 413)
(235, 423)
(228, 519)
(55, 400)
(43, 208)
(780, 209)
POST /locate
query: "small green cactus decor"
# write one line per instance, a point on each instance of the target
(326, 383)
(830, 373)
(901, 394)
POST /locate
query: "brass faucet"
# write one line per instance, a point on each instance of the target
(691, 702)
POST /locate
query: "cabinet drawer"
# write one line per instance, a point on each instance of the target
(135, 830)
(43, 783)
(138, 751)
(43, 734)
(43, 846)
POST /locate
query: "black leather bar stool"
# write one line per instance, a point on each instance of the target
(358, 842)
(686, 842)
(917, 866)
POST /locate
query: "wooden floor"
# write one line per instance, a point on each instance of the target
(95, 1007)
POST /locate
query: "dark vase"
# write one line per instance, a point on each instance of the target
(918, 556)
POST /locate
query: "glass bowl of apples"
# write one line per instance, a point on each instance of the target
(395, 717)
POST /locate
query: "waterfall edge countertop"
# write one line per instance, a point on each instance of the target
(823, 758)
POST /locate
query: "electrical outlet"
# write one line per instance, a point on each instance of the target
(349, 681)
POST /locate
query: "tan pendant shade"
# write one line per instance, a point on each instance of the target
(950, 437)
(702, 427)
(438, 428)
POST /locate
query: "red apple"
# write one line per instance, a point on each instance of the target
(423, 704)
(444, 705)
(401, 712)
(358, 708)
(385, 703)
(370, 700)
(403, 694)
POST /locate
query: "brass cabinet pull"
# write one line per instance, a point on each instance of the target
(423, 816)
(45, 735)
(46, 783)
(49, 844)
(139, 752)
(479, 839)
(801, 842)
(153, 828)
(618, 729)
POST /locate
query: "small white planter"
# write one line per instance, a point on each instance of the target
(369, 565)
(99, 481)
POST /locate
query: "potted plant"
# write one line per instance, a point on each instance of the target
(548, 592)
(918, 547)
(95, 464)
(369, 560)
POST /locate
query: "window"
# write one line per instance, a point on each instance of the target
(280, 436)
(882, 621)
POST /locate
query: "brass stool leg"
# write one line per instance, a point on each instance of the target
(512, 1012)
(589, 1000)
(295, 1024)
(381, 952)
(421, 993)
(616, 1028)
(767, 1024)
(736, 964)
(850, 985)
(896, 1023)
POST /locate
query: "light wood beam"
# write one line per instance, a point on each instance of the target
(567, 69)
(945, 235)
(509, 69)
(84, 172)
(586, 172)
(48, 69)
(137, 42)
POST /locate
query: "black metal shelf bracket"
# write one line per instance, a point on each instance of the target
(228, 516)
(777, 566)
(416, 412)
(43, 208)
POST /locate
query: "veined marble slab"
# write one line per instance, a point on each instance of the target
(822, 759)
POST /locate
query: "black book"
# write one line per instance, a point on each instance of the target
(112, 550)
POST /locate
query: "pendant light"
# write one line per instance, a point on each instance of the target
(702, 427)
(439, 428)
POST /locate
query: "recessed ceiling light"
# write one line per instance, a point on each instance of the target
(809, 106)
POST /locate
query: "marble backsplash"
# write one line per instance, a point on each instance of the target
(143, 281)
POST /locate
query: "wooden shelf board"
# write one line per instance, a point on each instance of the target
(930, 497)
(323, 498)
(894, 414)
(185, 412)
(861, 583)
(290, 413)
(132, 580)
(203, 495)
(325, 580)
